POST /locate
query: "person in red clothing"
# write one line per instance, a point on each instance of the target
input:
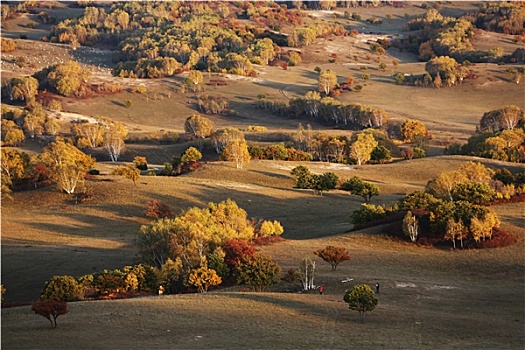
(321, 290)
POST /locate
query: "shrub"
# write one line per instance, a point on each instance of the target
(256, 128)
(156, 209)
(140, 162)
(62, 288)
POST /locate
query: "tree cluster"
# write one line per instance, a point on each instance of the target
(500, 135)
(204, 241)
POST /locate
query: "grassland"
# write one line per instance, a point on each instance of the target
(430, 298)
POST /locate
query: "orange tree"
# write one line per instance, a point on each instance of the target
(333, 255)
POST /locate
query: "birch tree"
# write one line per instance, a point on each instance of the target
(362, 149)
(306, 273)
(327, 81)
(237, 151)
(67, 164)
(411, 226)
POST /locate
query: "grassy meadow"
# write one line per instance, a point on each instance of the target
(431, 298)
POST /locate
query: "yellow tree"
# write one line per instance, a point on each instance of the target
(362, 149)
(410, 128)
(194, 80)
(67, 164)
(23, 88)
(88, 135)
(442, 186)
(237, 151)
(198, 126)
(327, 81)
(129, 171)
(113, 140)
(11, 134)
(203, 278)
(13, 166)
(476, 172)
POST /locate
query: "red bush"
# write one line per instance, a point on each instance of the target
(236, 250)
(50, 309)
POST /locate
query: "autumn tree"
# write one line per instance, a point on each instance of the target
(113, 139)
(23, 88)
(410, 129)
(203, 278)
(158, 210)
(11, 134)
(34, 120)
(67, 164)
(14, 165)
(444, 67)
(61, 288)
(455, 230)
(362, 148)
(411, 226)
(50, 309)
(129, 171)
(194, 80)
(68, 78)
(358, 187)
(333, 255)
(361, 298)
(88, 135)
(190, 155)
(236, 250)
(258, 272)
(222, 136)
(237, 151)
(198, 126)
(327, 81)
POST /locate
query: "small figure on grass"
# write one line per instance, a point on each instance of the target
(377, 288)
(321, 290)
(161, 290)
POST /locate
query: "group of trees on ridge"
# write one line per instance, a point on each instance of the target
(453, 206)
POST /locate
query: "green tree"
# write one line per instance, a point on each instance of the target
(325, 182)
(380, 154)
(237, 151)
(361, 298)
(327, 81)
(61, 288)
(367, 213)
(153, 242)
(67, 164)
(258, 272)
(473, 192)
(333, 255)
(358, 187)
(50, 309)
(362, 148)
